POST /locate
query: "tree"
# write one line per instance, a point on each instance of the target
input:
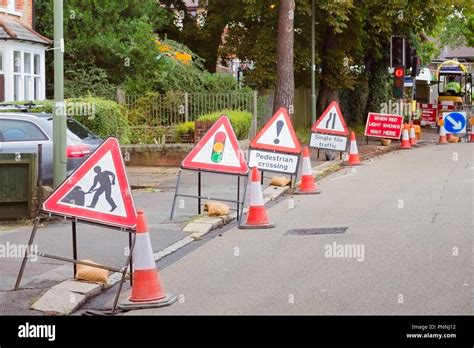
(285, 84)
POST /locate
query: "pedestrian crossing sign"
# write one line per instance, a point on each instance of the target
(97, 191)
(277, 135)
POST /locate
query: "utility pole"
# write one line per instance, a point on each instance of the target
(59, 110)
(313, 62)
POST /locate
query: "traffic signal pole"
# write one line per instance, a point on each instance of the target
(313, 62)
(59, 110)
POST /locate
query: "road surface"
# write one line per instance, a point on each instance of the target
(407, 248)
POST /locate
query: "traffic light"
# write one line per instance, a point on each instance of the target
(397, 51)
(409, 53)
(415, 66)
(398, 81)
(218, 147)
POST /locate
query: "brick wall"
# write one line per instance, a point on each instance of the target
(200, 128)
(25, 7)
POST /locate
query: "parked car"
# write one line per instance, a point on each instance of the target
(21, 132)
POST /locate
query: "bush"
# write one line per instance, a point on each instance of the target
(240, 121)
(184, 132)
(103, 117)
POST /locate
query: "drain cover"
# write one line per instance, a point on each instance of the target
(309, 231)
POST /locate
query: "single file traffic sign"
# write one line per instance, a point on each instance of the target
(331, 121)
(97, 191)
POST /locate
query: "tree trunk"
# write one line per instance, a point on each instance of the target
(285, 88)
(326, 94)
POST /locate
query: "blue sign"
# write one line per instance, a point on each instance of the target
(455, 122)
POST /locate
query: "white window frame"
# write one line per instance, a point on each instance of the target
(18, 74)
(37, 76)
(30, 76)
(11, 9)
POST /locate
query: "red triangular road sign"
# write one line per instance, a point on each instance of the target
(218, 151)
(331, 121)
(97, 191)
(277, 135)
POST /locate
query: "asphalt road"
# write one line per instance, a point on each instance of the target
(407, 248)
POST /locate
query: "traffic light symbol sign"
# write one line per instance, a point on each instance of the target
(218, 147)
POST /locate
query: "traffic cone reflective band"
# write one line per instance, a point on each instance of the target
(412, 135)
(257, 214)
(147, 291)
(308, 183)
(354, 159)
(442, 136)
(405, 140)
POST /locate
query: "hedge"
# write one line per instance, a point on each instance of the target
(240, 121)
(104, 117)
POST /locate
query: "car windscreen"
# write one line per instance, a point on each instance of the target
(79, 130)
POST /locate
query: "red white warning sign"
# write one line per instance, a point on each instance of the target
(217, 151)
(384, 126)
(277, 135)
(97, 191)
(429, 113)
(331, 121)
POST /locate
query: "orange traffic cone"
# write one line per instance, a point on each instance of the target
(147, 291)
(471, 138)
(308, 183)
(442, 136)
(354, 159)
(257, 214)
(405, 140)
(412, 135)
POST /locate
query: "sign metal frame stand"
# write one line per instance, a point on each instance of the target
(124, 270)
(239, 203)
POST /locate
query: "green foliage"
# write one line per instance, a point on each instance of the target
(303, 134)
(354, 101)
(103, 117)
(183, 131)
(240, 121)
(81, 80)
(219, 83)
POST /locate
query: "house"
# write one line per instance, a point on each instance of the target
(22, 53)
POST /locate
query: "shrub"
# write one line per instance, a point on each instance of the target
(240, 121)
(103, 117)
(184, 132)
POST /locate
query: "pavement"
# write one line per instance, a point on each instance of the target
(154, 191)
(406, 250)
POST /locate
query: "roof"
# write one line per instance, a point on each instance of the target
(10, 29)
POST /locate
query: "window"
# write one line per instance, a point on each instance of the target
(13, 130)
(27, 76)
(11, 5)
(17, 75)
(37, 85)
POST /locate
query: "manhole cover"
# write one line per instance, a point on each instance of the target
(323, 230)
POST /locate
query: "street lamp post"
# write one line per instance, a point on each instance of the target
(59, 110)
(313, 62)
